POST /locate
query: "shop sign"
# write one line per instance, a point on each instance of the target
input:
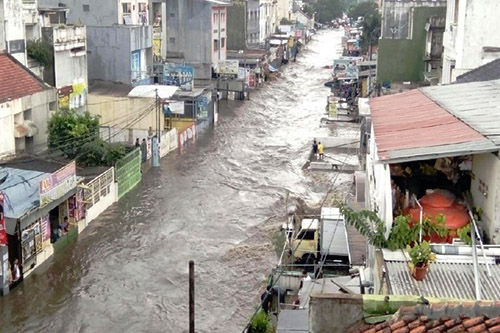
(228, 67)
(3, 233)
(202, 104)
(45, 226)
(179, 75)
(345, 69)
(57, 184)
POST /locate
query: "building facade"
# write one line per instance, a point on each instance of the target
(402, 44)
(468, 43)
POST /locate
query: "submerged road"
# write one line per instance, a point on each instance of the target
(216, 202)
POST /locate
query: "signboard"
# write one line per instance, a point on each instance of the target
(173, 107)
(345, 69)
(357, 60)
(45, 225)
(202, 105)
(3, 233)
(72, 97)
(179, 75)
(57, 184)
(298, 33)
(228, 67)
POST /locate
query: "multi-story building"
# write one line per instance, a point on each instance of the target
(12, 30)
(284, 10)
(196, 33)
(253, 22)
(468, 41)
(25, 106)
(119, 37)
(403, 44)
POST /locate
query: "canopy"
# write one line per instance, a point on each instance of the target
(149, 91)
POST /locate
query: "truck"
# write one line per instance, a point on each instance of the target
(323, 239)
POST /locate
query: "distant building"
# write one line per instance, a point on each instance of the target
(409, 33)
(470, 39)
(25, 106)
(119, 37)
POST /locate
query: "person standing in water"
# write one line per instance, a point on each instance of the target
(321, 151)
(315, 149)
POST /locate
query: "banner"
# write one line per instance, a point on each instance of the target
(179, 75)
(227, 67)
(57, 184)
(345, 69)
(3, 233)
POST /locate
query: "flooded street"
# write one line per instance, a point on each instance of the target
(217, 203)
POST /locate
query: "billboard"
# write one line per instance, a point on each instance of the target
(178, 75)
(57, 184)
(345, 69)
(228, 67)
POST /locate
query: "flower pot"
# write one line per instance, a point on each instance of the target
(419, 273)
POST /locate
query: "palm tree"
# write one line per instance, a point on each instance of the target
(371, 32)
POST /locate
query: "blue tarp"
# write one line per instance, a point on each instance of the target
(272, 69)
(21, 190)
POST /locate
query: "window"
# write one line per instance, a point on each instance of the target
(86, 8)
(216, 45)
(172, 14)
(223, 17)
(215, 18)
(171, 40)
(28, 115)
(142, 7)
(306, 234)
(455, 14)
(126, 8)
(222, 43)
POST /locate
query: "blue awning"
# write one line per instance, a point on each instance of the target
(272, 69)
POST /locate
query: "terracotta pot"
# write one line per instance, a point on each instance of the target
(419, 273)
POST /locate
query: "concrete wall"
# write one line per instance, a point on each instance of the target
(70, 66)
(402, 59)
(120, 111)
(14, 29)
(188, 34)
(334, 313)
(101, 13)
(2, 27)
(237, 26)
(8, 143)
(103, 201)
(110, 48)
(485, 189)
(465, 38)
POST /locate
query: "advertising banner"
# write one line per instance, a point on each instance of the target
(45, 225)
(345, 69)
(179, 75)
(57, 184)
(228, 67)
(3, 233)
(202, 105)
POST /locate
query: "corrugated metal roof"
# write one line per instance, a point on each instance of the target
(444, 279)
(477, 104)
(21, 190)
(410, 125)
(487, 72)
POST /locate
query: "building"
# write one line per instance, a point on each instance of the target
(237, 23)
(68, 72)
(403, 42)
(467, 44)
(12, 32)
(26, 103)
(159, 21)
(487, 72)
(114, 29)
(197, 34)
(284, 10)
(253, 23)
(299, 17)
(458, 141)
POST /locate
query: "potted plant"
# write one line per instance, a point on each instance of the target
(421, 256)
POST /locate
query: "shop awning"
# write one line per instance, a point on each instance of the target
(149, 91)
(410, 126)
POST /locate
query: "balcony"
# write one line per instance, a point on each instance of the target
(69, 37)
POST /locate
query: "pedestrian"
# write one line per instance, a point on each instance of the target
(315, 149)
(266, 299)
(16, 271)
(65, 225)
(144, 150)
(305, 278)
(137, 143)
(321, 151)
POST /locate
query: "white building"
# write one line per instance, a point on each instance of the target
(470, 38)
(284, 9)
(219, 33)
(26, 103)
(12, 30)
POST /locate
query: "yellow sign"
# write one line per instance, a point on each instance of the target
(72, 97)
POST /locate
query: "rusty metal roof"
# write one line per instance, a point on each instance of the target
(476, 103)
(411, 126)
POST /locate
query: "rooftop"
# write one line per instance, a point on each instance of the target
(474, 103)
(418, 124)
(17, 80)
(487, 72)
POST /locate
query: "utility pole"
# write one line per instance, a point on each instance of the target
(191, 296)
(156, 139)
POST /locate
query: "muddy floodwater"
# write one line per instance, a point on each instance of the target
(217, 202)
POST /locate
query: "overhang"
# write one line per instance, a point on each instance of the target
(410, 126)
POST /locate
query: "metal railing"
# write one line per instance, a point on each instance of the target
(99, 187)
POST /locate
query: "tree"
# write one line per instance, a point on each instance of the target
(40, 51)
(328, 10)
(285, 21)
(363, 9)
(99, 152)
(69, 131)
(308, 10)
(371, 31)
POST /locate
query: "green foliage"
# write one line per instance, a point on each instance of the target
(364, 9)
(308, 10)
(371, 30)
(285, 21)
(69, 131)
(328, 10)
(40, 51)
(99, 152)
(261, 323)
(464, 234)
(420, 254)
(402, 232)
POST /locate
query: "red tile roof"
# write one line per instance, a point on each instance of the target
(464, 317)
(16, 80)
(412, 120)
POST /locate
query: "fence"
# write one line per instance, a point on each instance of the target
(128, 172)
(168, 142)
